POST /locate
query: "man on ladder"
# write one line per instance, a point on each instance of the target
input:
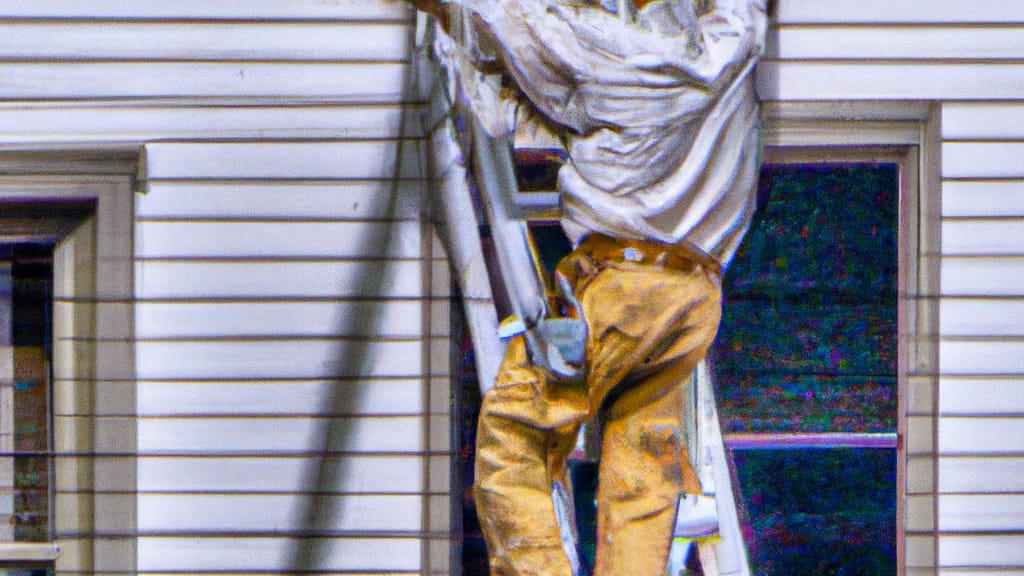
(655, 107)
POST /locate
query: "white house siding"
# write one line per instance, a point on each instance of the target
(290, 296)
(290, 300)
(981, 398)
(969, 60)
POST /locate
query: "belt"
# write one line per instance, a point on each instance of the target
(602, 248)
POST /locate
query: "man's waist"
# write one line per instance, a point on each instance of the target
(682, 256)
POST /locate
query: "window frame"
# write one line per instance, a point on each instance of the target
(93, 511)
(908, 134)
(906, 158)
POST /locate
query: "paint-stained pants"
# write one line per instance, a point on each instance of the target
(650, 323)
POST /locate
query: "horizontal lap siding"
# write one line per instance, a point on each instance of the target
(189, 555)
(290, 307)
(981, 390)
(369, 82)
(104, 122)
(901, 51)
(359, 56)
(251, 319)
(270, 474)
(230, 10)
(86, 41)
(290, 334)
(885, 13)
(897, 42)
(780, 80)
(125, 51)
(284, 350)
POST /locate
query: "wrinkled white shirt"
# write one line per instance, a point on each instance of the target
(658, 117)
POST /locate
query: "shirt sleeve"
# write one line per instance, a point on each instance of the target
(581, 67)
(495, 106)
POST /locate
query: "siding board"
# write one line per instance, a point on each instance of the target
(283, 160)
(322, 240)
(276, 554)
(981, 317)
(367, 200)
(981, 436)
(882, 13)
(96, 122)
(196, 514)
(790, 12)
(886, 80)
(205, 41)
(983, 159)
(989, 396)
(983, 198)
(981, 475)
(280, 280)
(313, 41)
(977, 236)
(837, 43)
(981, 512)
(362, 397)
(382, 319)
(347, 10)
(366, 474)
(993, 356)
(992, 571)
(349, 82)
(995, 550)
(983, 120)
(278, 436)
(258, 359)
(982, 276)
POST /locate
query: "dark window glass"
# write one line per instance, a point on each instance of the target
(808, 345)
(25, 295)
(808, 335)
(823, 511)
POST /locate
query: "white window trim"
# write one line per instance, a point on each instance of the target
(94, 477)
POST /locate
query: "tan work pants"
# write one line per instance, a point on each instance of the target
(650, 323)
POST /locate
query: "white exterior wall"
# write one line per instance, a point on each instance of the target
(284, 271)
(981, 394)
(290, 302)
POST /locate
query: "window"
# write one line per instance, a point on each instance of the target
(27, 461)
(805, 365)
(66, 236)
(26, 458)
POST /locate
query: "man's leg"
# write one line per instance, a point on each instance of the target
(528, 426)
(653, 326)
(644, 469)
